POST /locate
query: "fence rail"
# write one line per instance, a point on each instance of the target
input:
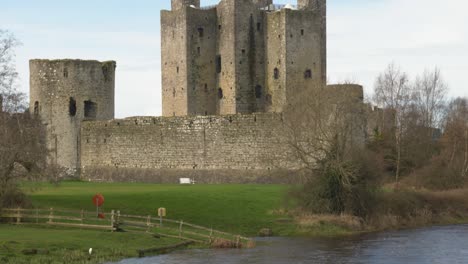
(124, 222)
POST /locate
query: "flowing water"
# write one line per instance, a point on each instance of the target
(444, 245)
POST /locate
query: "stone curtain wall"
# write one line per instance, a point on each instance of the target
(238, 148)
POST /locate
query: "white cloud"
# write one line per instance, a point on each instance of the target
(416, 34)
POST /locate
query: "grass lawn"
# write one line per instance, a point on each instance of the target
(239, 209)
(70, 245)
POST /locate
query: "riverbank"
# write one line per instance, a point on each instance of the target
(238, 209)
(416, 246)
(41, 245)
(393, 210)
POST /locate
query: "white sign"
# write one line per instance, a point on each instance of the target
(186, 181)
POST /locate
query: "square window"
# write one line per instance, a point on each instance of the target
(201, 32)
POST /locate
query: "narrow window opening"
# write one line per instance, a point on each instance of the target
(36, 108)
(308, 74)
(173, 92)
(220, 93)
(302, 32)
(279, 36)
(219, 27)
(90, 109)
(258, 91)
(291, 35)
(201, 32)
(177, 69)
(243, 51)
(206, 88)
(198, 50)
(276, 73)
(65, 72)
(206, 113)
(218, 64)
(72, 107)
(259, 26)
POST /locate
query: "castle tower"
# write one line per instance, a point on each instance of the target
(66, 92)
(240, 50)
(188, 54)
(319, 6)
(238, 57)
(296, 54)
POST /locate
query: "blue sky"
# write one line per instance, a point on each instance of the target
(363, 37)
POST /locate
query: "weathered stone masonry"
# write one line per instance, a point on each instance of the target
(240, 56)
(249, 144)
(228, 73)
(65, 92)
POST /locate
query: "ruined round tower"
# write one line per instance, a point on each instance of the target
(66, 92)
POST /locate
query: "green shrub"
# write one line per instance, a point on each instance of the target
(338, 187)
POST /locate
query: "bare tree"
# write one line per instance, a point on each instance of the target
(430, 94)
(456, 135)
(323, 123)
(393, 91)
(325, 132)
(13, 100)
(23, 151)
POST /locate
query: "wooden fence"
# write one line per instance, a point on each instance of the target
(116, 221)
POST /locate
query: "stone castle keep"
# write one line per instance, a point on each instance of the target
(228, 72)
(241, 56)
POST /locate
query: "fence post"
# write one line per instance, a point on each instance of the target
(180, 228)
(112, 220)
(148, 224)
(51, 215)
(18, 215)
(211, 235)
(118, 220)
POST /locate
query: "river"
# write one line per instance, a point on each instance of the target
(444, 245)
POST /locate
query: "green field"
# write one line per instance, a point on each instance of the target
(55, 245)
(239, 209)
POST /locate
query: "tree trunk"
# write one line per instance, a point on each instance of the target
(465, 163)
(398, 159)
